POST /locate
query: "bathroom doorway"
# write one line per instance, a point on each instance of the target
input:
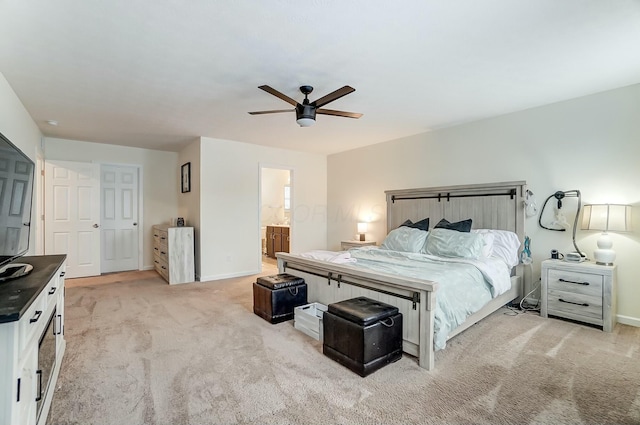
(276, 189)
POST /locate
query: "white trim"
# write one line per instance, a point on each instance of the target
(626, 320)
(230, 275)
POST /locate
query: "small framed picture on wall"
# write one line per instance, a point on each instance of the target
(186, 177)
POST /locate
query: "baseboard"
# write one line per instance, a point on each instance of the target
(229, 275)
(147, 268)
(626, 320)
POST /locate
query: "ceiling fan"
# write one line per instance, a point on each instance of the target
(306, 111)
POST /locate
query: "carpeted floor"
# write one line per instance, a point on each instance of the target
(142, 352)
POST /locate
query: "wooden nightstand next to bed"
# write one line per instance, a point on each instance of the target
(356, 244)
(585, 292)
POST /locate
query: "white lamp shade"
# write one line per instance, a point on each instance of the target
(362, 227)
(606, 217)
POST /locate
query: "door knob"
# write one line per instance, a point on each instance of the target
(95, 226)
(135, 224)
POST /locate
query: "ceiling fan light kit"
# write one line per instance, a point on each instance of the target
(306, 111)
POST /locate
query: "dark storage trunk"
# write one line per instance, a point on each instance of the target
(274, 297)
(362, 334)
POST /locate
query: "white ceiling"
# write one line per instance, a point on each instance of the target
(158, 73)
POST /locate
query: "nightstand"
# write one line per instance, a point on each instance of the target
(356, 244)
(585, 292)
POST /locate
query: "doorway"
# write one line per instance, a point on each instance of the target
(276, 213)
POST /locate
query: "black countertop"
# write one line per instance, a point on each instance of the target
(17, 295)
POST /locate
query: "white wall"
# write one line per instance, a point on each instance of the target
(591, 144)
(189, 202)
(17, 125)
(160, 178)
(230, 209)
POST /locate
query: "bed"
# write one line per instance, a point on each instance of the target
(493, 207)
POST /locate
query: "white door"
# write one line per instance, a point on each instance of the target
(119, 218)
(72, 215)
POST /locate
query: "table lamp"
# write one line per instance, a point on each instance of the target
(362, 229)
(607, 218)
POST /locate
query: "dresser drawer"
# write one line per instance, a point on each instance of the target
(162, 252)
(577, 283)
(159, 237)
(34, 320)
(562, 303)
(161, 266)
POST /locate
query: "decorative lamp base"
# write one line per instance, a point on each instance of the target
(604, 255)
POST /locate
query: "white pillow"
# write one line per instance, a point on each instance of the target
(405, 239)
(505, 245)
(451, 243)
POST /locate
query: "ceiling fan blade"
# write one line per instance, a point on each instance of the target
(271, 112)
(276, 93)
(338, 113)
(333, 96)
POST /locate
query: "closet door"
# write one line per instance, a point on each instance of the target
(72, 215)
(119, 236)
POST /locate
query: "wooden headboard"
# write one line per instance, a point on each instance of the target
(490, 206)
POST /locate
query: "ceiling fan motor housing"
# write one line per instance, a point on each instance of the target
(305, 111)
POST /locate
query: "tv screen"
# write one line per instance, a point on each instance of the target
(16, 190)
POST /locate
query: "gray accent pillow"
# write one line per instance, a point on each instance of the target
(422, 224)
(460, 226)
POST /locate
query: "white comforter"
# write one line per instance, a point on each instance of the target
(464, 286)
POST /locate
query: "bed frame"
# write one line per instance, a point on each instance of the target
(490, 206)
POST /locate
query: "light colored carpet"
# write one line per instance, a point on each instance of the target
(143, 352)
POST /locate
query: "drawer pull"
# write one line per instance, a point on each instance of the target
(155, 249)
(62, 274)
(35, 318)
(52, 290)
(164, 268)
(571, 302)
(163, 238)
(571, 281)
(163, 253)
(39, 373)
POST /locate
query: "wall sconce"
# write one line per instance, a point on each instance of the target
(606, 217)
(362, 229)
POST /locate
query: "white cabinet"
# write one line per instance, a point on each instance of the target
(585, 292)
(31, 340)
(173, 256)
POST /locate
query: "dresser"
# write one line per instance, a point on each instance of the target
(345, 245)
(173, 255)
(585, 292)
(31, 340)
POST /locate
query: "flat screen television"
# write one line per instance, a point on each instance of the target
(17, 172)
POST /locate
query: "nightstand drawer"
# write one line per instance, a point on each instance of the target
(576, 283)
(563, 303)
